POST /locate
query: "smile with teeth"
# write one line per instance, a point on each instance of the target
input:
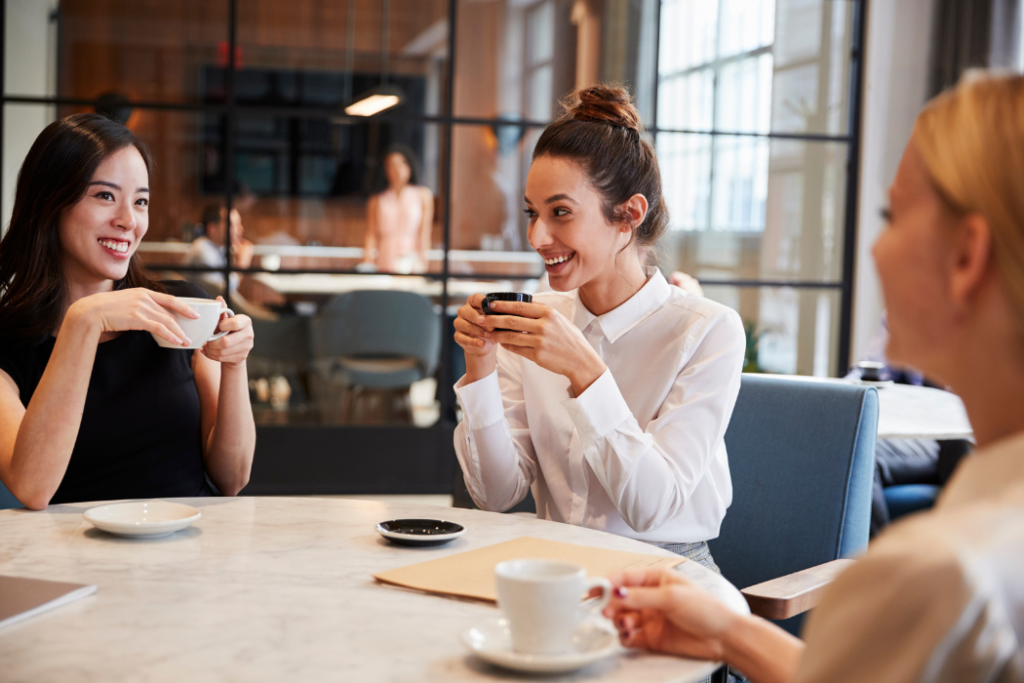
(114, 245)
(558, 259)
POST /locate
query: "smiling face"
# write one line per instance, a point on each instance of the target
(915, 258)
(568, 227)
(101, 232)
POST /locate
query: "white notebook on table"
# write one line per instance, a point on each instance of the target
(22, 598)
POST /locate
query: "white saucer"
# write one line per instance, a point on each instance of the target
(145, 519)
(492, 642)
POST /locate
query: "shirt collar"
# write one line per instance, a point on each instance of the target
(987, 473)
(630, 313)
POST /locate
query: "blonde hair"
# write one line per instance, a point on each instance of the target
(971, 139)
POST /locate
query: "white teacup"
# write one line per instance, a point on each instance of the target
(200, 330)
(543, 600)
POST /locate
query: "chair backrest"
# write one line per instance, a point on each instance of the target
(379, 324)
(282, 341)
(7, 499)
(801, 454)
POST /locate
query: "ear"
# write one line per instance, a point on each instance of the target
(636, 210)
(972, 258)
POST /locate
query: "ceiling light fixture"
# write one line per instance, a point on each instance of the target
(384, 96)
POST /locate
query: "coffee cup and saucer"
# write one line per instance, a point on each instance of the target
(548, 626)
(503, 297)
(200, 330)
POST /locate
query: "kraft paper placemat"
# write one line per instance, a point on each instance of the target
(471, 574)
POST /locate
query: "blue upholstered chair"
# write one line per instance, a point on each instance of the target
(7, 499)
(905, 499)
(801, 454)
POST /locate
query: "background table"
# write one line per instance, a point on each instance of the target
(273, 589)
(909, 412)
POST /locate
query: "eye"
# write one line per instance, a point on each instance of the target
(530, 213)
(559, 212)
(105, 196)
(142, 201)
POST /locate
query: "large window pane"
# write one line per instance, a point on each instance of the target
(489, 170)
(329, 54)
(525, 56)
(139, 50)
(777, 65)
(754, 208)
(789, 330)
(308, 188)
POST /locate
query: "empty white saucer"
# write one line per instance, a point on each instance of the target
(144, 519)
(492, 642)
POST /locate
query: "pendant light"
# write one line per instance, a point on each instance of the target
(384, 96)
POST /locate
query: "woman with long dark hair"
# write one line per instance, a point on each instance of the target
(91, 408)
(399, 217)
(609, 396)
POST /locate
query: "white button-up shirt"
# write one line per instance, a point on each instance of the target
(938, 597)
(640, 453)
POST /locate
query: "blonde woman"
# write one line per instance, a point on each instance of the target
(939, 597)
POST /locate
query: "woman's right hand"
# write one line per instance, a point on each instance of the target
(133, 309)
(468, 334)
(659, 610)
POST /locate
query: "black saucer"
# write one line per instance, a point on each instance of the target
(421, 532)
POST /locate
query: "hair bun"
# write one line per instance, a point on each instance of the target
(604, 104)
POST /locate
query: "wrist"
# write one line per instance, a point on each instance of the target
(478, 367)
(580, 379)
(229, 369)
(78, 320)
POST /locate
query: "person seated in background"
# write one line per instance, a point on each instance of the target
(209, 249)
(938, 596)
(399, 217)
(610, 395)
(91, 408)
(905, 461)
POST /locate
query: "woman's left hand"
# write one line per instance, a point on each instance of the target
(234, 347)
(545, 336)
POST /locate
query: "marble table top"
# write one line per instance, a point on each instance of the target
(909, 412)
(274, 589)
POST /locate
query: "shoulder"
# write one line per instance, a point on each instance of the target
(184, 288)
(895, 589)
(697, 319)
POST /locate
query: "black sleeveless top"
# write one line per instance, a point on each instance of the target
(140, 435)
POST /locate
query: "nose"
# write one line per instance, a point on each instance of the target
(126, 218)
(538, 235)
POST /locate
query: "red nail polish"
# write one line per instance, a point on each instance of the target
(619, 592)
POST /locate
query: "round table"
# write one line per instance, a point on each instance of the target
(274, 589)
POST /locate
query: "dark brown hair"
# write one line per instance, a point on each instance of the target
(54, 176)
(601, 131)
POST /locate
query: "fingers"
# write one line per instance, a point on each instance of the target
(172, 303)
(161, 331)
(519, 308)
(473, 344)
(476, 301)
(510, 322)
(469, 329)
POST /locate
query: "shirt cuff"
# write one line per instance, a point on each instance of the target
(598, 410)
(481, 401)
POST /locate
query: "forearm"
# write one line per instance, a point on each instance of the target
(762, 651)
(491, 466)
(232, 440)
(49, 427)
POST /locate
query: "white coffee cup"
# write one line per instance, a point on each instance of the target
(200, 330)
(543, 601)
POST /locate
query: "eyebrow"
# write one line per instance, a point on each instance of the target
(115, 185)
(560, 197)
(553, 198)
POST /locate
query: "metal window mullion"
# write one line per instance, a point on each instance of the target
(445, 367)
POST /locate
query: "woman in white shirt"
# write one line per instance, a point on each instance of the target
(611, 395)
(939, 596)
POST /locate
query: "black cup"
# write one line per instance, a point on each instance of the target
(504, 296)
(870, 371)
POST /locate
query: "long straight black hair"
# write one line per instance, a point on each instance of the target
(54, 176)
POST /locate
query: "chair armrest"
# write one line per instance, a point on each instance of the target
(788, 596)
